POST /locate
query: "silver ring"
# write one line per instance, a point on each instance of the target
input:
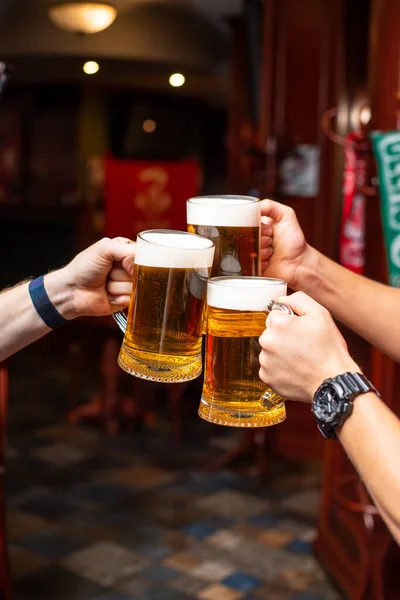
(279, 306)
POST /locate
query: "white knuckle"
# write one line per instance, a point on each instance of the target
(262, 339)
(262, 358)
(276, 320)
(104, 244)
(290, 211)
(299, 295)
(263, 375)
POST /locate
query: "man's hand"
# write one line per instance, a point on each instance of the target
(97, 282)
(100, 277)
(299, 352)
(283, 245)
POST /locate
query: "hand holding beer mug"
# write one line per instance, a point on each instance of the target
(163, 332)
(233, 224)
(233, 393)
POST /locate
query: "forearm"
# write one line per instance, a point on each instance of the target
(371, 438)
(20, 324)
(369, 308)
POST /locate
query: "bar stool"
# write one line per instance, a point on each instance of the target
(111, 407)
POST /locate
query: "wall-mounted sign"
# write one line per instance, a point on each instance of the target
(148, 195)
(299, 171)
(387, 153)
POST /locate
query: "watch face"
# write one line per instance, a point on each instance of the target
(326, 404)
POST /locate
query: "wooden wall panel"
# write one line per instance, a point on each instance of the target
(300, 81)
(307, 64)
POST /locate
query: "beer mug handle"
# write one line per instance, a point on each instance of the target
(121, 320)
(271, 399)
(279, 306)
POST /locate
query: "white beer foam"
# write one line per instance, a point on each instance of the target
(173, 249)
(224, 211)
(244, 293)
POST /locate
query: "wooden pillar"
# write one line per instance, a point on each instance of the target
(240, 130)
(353, 543)
(300, 80)
(384, 85)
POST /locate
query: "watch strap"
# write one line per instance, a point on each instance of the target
(43, 305)
(358, 383)
(327, 431)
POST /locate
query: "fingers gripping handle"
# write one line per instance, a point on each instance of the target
(270, 399)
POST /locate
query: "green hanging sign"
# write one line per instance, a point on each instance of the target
(387, 153)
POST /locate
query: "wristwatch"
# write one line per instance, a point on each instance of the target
(333, 400)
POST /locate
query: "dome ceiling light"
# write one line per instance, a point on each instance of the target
(82, 17)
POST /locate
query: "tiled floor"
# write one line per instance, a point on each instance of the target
(93, 517)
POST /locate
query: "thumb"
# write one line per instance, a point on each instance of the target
(302, 304)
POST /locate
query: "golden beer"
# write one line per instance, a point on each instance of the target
(163, 335)
(233, 225)
(233, 393)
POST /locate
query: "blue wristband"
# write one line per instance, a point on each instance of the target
(44, 307)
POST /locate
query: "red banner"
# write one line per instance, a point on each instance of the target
(147, 195)
(352, 234)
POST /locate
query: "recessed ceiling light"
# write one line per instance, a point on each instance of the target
(177, 80)
(91, 67)
(149, 125)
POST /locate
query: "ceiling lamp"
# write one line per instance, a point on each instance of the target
(177, 80)
(82, 17)
(91, 67)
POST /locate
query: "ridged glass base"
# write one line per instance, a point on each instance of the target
(224, 416)
(160, 368)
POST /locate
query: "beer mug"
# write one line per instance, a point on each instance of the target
(163, 331)
(233, 224)
(233, 394)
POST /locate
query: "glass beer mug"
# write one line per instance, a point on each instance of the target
(163, 331)
(233, 224)
(233, 393)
